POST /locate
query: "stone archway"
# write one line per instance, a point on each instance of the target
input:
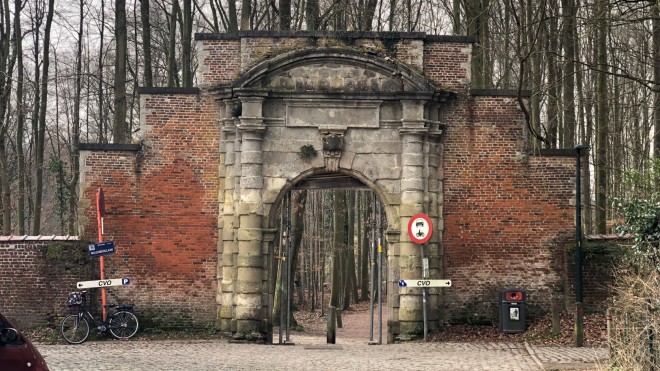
(188, 206)
(367, 116)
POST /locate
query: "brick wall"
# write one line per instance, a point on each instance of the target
(37, 273)
(162, 209)
(507, 215)
(600, 259)
(447, 62)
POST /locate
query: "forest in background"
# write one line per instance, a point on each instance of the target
(69, 73)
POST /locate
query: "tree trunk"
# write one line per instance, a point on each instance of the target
(338, 238)
(312, 15)
(655, 14)
(120, 129)
(20, 119)
(186, 36)
(553, 77)
(171, 46)
(41, 135)
(146, 42)
(601, 117)
(75, 137)
(246, 13)
(7, 62)
(568, 80)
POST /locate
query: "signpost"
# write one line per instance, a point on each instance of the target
(101, 248)
(103, 283)
(420, 230)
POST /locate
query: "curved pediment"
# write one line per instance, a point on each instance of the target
(332, 70)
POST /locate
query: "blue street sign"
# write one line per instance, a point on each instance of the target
(125, 281)
(101, 248)
(402, 283)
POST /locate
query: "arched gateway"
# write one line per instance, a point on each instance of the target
(193, 207)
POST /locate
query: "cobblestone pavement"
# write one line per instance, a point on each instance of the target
(311, 353)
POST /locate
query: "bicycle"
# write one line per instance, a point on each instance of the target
(121, 323)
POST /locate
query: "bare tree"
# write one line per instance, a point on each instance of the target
(120, 129)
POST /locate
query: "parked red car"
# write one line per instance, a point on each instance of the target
(16, 351)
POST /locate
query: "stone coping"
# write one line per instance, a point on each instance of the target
(499, 93)
(38, 238)
(108, 147)
(166, 90)
(336, 34)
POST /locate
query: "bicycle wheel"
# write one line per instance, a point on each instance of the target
(123, 325)
(74, 329)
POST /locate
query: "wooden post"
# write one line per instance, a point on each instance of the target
(554, 309)
(332, 322)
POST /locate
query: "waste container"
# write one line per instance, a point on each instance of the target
(512, 311)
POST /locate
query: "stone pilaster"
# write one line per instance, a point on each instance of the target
(250, 261)
(227, 273)
(413, 183)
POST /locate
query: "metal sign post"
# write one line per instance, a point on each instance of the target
(420, 230)
(372, 269)
(100, 211)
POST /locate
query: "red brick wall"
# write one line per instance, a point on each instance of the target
(219, 63)
(507, 217)
(162, 210)
(36, 276)
(447, 64)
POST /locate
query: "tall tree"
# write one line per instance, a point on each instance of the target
(568, 80)
(7, 61)
(601, 115)
(75, 127)
(20, 119)
(655, 14)
(312, 15)
(186, 40)
(146, 43)
(121, 130)
(285, 14)
(171, 46)
(246, 13)
(41, 125)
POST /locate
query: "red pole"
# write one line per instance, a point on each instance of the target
(100, 210)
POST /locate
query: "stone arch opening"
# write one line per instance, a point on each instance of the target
(331, 247)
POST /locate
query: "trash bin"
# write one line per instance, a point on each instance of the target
(512, 311)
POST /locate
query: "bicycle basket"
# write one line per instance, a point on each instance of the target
(74, 298)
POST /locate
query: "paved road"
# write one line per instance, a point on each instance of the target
(310, 353)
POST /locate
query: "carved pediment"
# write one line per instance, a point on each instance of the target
(335, 76)
(332, 70)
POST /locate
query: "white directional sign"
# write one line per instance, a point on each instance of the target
(103, 283)
(424, 283)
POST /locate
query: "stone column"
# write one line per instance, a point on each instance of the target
(413, 184)
(250, 284)
(229, 243)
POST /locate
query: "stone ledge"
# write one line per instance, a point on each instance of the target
(167, 90)
(552, 152)
(499, 93)
(311, 34)
(108, 147)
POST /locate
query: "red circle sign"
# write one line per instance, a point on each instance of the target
(420, 228)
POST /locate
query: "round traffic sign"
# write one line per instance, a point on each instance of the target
(420, 228)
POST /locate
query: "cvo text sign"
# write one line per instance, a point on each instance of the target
(424, 283)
